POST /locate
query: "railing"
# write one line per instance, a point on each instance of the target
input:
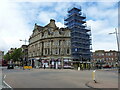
(77, 41)
(84, 38)
(71, 18)
(78, 31)
(81, 47)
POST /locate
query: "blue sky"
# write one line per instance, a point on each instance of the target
(18, 18)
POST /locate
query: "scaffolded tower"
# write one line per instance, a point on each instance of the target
(80, 34)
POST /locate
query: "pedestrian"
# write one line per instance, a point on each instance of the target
(44, 66)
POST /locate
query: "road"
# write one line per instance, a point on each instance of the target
(40, 78)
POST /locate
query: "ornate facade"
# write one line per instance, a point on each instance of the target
(50, 46)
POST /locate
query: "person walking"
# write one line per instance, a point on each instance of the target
(44, 66)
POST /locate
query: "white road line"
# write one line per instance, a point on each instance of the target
(6, 83)
(4, 76)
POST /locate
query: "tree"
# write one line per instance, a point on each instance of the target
(16, 55)
(7, 57)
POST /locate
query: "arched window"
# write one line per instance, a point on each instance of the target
(68, 50)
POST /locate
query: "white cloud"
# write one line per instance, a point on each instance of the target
(99, 13)
(100, 35)
(103, 19)
(104, 46)
(100, 26)
(66, 0)
(17, 18)
(60, 25)
(12, 26)
(44, 17)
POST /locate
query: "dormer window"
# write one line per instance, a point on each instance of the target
(61, 31)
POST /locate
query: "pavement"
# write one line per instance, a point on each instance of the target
(104, 78)
(101, 84)
(105, 83)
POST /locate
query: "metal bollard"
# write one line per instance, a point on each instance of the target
(93, 76)
(78, 68)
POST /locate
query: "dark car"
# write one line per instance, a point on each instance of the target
(10, 66)
(107, 66)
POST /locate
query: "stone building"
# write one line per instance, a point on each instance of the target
(101, 58)
(25, 54)
(1, 55)
(55, 47)
(50, 46)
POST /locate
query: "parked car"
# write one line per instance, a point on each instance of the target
(107, 66)
(10, 66)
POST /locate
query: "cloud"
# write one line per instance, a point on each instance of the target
(100, 35)
(104, 46)
(95, 13)
(44, 17)
(66, 0)
(100, 26)
(103, 19)
(17, 20)
(12, 26)
(60, 25)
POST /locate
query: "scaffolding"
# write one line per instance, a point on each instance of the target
(80, 34)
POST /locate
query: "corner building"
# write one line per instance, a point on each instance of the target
(55, 47)
(50, 46)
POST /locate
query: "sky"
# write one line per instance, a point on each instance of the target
(18, 17)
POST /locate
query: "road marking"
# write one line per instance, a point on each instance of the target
(6, 83)
(4, 76)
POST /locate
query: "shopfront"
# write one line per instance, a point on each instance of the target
(67, 63)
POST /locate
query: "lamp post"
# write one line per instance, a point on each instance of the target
(24, 41)
(118, 44)
(24, 52)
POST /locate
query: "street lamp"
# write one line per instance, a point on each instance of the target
(117, 34)
(118, 44)
(24, 41)
(24, 52)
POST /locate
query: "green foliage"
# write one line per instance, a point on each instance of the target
(15, 55)
(7, 57)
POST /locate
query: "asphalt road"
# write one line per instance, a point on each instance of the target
(40, 78)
